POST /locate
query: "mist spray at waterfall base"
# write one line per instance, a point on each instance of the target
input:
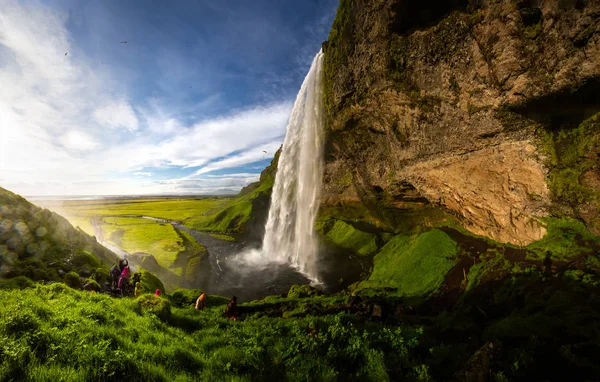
(289, 232)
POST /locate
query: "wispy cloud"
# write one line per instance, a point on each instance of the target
(134, 121)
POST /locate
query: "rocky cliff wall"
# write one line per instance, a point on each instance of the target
(463, 103)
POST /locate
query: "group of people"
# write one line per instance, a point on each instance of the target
(231, 311)
(121, 283)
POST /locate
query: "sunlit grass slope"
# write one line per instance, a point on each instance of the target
(143, 235)
(415, 265)
(56, 333)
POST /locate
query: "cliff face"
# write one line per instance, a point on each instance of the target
(476, 107)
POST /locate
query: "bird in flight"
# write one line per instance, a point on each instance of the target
(66, 53)
(124, 42)
(262, 50)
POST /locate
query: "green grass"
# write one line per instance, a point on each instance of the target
(222, 237)
(176, 209)
(415, 265)
(81, 222)
(127, 221)
(159, 240)
(232, 218)
(565, 239)
(56, 333)
(346, 236)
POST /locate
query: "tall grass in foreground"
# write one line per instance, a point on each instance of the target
(52, 333)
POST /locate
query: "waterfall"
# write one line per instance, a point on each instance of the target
(289, 231)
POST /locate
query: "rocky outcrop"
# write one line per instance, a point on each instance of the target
(456, 102)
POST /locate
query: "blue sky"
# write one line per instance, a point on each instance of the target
(188, 105)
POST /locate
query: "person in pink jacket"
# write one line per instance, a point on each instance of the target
(124, 281)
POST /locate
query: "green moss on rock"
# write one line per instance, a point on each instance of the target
(345, 236)
(415, 265)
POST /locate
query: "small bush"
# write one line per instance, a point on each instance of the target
(101, 275)
(72, 279)
(19, 282)
(299, 291)
(150, 283)
(155, 305)
(91, 284)
(184, 297)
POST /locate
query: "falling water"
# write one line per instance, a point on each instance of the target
(289, 232)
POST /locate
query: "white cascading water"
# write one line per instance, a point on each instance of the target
(289, 232)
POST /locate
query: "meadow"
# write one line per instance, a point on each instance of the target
(179, 209)
(52, 333)
(121, 224)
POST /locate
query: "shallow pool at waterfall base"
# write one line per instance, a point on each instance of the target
(231, 276)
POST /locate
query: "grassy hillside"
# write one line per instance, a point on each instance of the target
(56, 333)
(143, 235)
(42, 245)
(245, 213)
(415, 265)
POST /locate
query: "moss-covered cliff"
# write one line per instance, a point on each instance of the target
(474, 109)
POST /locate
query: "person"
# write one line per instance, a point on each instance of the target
(122, 264)
(138, 290)
(136, 279)
(157, 293)
(231, 311)
(201, 301)
(115, 273)
(124, 281)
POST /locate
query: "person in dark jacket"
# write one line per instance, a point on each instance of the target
(231, 311)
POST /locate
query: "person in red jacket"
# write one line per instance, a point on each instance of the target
(157, 293)
(231, 311)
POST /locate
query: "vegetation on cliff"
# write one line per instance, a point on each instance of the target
(245, 213)
(44, 246)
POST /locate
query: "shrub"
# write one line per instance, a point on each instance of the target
(155, 305)
(299, 291)
(19, 282)
(91, 284)
(151, 283)
(101, 275)
(72, 279)
(184, 297)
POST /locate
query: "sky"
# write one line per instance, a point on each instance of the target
(195, 102)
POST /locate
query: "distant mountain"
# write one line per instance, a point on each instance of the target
(44, 246)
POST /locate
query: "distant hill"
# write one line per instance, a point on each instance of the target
(44, 246)
(247, 213)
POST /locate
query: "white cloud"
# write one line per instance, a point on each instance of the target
(76, 140)
(250, 156)
(139, 173)
(55, 111)
(117, 114)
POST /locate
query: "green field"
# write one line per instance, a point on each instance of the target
(118, 221)
(143, 235)
(171, 209)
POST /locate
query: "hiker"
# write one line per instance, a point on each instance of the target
(138, 290)
(157, 293)
(231, 311)
(124, 281)
(201, 301)
(122, 264)
(115, 273)
(136, 279)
